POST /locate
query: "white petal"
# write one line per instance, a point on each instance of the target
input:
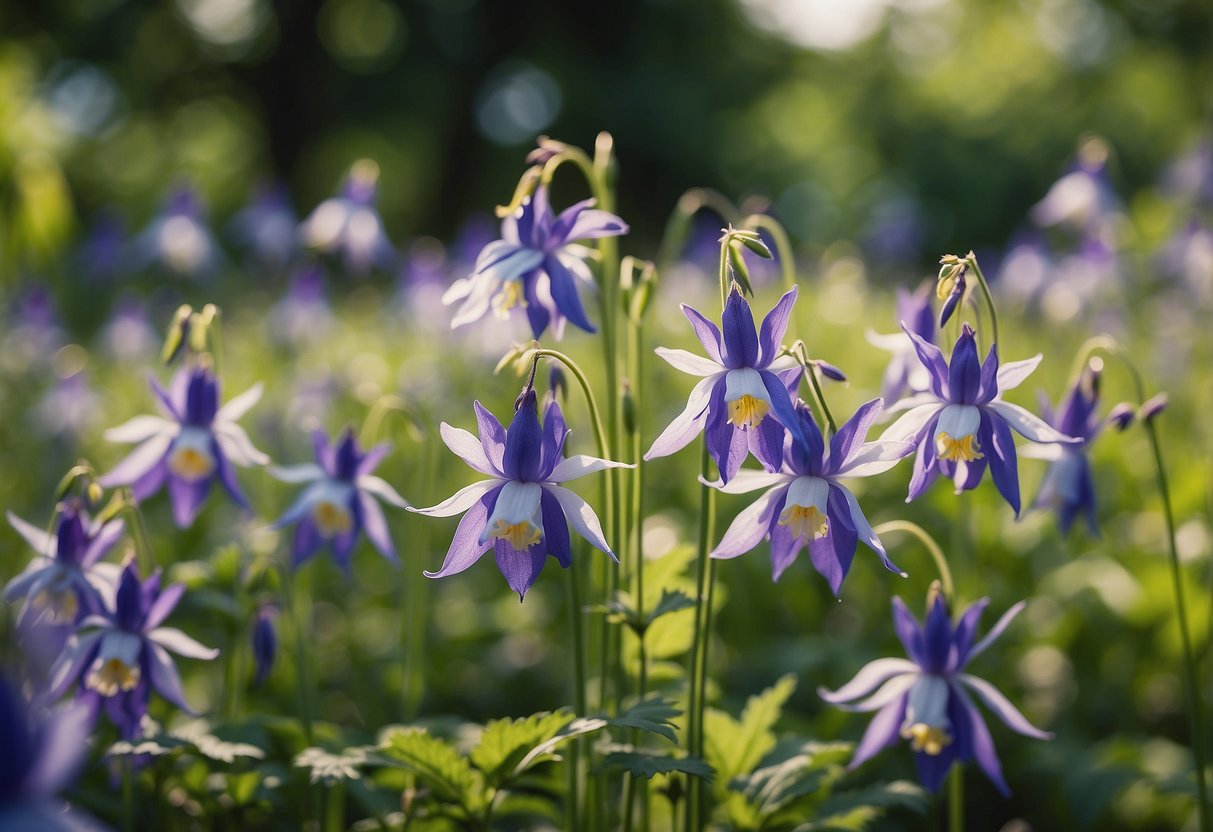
(1014, 373)
(518, 502)
(809, 491)
(236, 445)
(467, 447)
(1002, 707)
(579, 513)
(458, 290)
(1030, 426)
(1048, 453)
(380, 488)
(890, 690)
(479, 296)
(43, 543)
(868, 678)
(745, 381)
(875, 458)
(240, 405)
(460, 501)
(959, 420)
(307, 472)
(908, 426)
(863, 527)
(141, 428)
(894, 342)
(579, 465)
(747, 480)
(689, 362)
(173, 639)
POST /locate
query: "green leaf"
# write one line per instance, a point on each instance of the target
(858, 809)
(437, 763)
(506, 741)
(811, 770)
(649, 763)
(333, 767)
(654, 714)
(671, 601)
(736, 747)
(243, 787)
(544, 750)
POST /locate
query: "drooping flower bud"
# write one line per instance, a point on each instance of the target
(1121, 416)
(1152, 407)
(265, 644)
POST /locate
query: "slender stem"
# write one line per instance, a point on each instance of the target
(810, 372)
(707, 505)
(678, 226)
(143, 546)
(971, 259)
(334, 816)
(291, 592)
(128, 795)
(783, 245)
(941, 563)
(573, 812)
(600, 434)
(956, 799)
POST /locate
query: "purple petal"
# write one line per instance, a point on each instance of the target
(784, 547)
(520, 568)
(187, 498)
(932, 358)
(1001, 454)
(565, 221)
(540, 311)
(63, 746)
(936, 636)
(883, 731)
(227, 478)
(750, 525)
(523, 442)
(765, 442)
(925, 468)
(707, 333)
(492, 435)
(965, 633)
(106, 537)
(324, 452)
(151, 482)
(138, 463)
(592, 225)
(165, 400)
(908, 630)
(376, 527)
(165, 678)
(774, 325)
(306, 543)
(854, 431)
(564, 292)
(981, 744)
(163, 606)
(556, 530)
(737, 330)
(996, 630)
(465, 548)
(988, 388)
(689, 423)
(964, 371)
(832, 554)
(782, 402)
(78, 655)
(370, 461)
(554, 435)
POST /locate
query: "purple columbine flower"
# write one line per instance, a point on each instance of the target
(43, 751)
(961, 425)
(1068, 486)
(339, 501)
(65, 582)
(178, 240)
(535, 266)
(805, 504)
(522, 512)
(197, 443)
(744, 380)
(119, 657)
(905, 373)
(267, 227)
(265, 644)
(349, 224)
(925, 699)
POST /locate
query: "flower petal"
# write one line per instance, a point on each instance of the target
(689, 423)
(241, 404)
(178, 642)
(870, 676)
(1030, 426)
(864, 529)
(165, 678)
(981, 744)
(163, 606)
(707, 333)
(1014, 373)
(236, 445)
(738, 333)
(913, 424)
(883, 731)
(379, 487)
(894, 688)
(468, 448)
(853, 432)
(460, 501)
(996, 630)
(139, 462)
(750, 525)
(743, 482)
(376, 526)
(581, 516)
(492, 436)
(466, 548)
(932, 359)
(774, 326)
(308, 472)
(42, 543)
(140, 429)
(564, 292)
(579, 465)
(689, 362)
(1002, 707)
(875, 458)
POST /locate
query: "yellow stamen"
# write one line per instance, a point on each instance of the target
(805, 521)
(747, 411)
(519, 535)
(61, 605)
(330, 518)
(112, 676)
(509, 297)
(964, 449)
(191, 463)
(927, 738)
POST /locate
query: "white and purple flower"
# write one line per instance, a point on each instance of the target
(926, 699)
(339, 501)
(196, 444)
(178, 240)
(905, 373)
(522, 512)
(744, 381)
(535, 266)
(117, 658)
(806, 505)
(349, 225)
(961, 425)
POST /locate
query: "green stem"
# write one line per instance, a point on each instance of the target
(707, 510)
(573, 810)
(143, 546)
(291, 592)
(941, 563)
(678, 226)
(783, 245)
(800, 352)
(128, 796)
(971, 260)
(334, 815)
(956, 799)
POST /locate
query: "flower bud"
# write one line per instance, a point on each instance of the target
(628, 404)
(265, 644)
(829, 370)
(1121, 416)
(558, 383)
(1152, 407)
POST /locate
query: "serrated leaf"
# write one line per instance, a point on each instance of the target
(333, 767)
(671, 601)
(437, 763)
(650, 763)
(811, 770)
(654, 714)
(736, 747)
(543, 751)
(857, 809)
(506, 741)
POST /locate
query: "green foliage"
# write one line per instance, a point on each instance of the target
(654, 714)
(506, 742)
(734, 747)
(438, 764)
(647, 764)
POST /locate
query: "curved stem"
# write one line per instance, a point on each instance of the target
(677, 227)
(941, 563)
(800, 353)
(600, 434)
(783, 244)
(379, 411)
(143, 546)
(707, 510)
(971, 259)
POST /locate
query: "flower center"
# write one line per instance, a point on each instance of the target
(60, 603)
(930, 739)
(108, 676)
(963, 449)
(509, 297)
(519, 535)
(331, 518)
(747, 411)
(191, 457)
(805, 521)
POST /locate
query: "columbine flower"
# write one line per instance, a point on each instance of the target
(265, 644)
(905, 372)
(118, 658)
(266, 227)
(522, 512)
(178, 240)
(740, 387)
(198, 442)
(65, 582)
(926, 700)
(806, 505)
(42, 753)
(339, 501)
(1083, 197)
(1068, 486)
(350, 225)
(535, 266)
(961, 425)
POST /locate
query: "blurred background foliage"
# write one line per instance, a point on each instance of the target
(938, 122)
